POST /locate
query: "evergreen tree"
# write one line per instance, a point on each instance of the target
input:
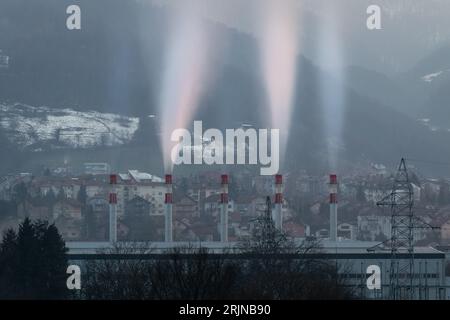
(50, 197)
(20, 193)
(47, 172)
(8, 249)
(33, 262)
(82, 195)
(26, 260)
(86, 212)
(61, 194)
(54, 263)
(444, 193)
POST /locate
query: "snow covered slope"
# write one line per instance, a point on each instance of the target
(39, 128)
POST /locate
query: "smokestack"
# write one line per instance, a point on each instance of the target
(224, 209)
(333, 186)
(278, 201)
(168, 209)
(113, 209)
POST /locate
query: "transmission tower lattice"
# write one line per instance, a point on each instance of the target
(268, 237)
(401, 202)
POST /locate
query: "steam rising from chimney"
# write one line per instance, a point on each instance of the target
(184, 75)
(280, 47)
(331, 59)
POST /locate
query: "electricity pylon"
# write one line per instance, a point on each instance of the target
(401, 201)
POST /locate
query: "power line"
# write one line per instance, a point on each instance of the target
(438, 163)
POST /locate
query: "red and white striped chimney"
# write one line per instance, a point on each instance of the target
(112, 209)
(168, 209)
(333, 187)
(278, 217)
(224, 209)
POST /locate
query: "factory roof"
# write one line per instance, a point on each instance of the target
(340, 249)
(139, 177)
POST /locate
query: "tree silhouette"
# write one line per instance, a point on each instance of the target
(50, 199)
(50, 196)
(444, 193)
(20, 195)
(90, 222)
(280, 260)
(33, 262)
(82, 195)
(268, 265)
(61, 194)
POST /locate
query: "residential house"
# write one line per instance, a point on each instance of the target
(67, 208)
(212, 205)
(138, 207)
(346, 231)
(186, 207)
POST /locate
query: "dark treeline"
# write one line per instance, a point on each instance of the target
(266, 265)
(203, 276)
(33, 262)
(269, 265)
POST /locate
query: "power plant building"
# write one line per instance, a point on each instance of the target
(352, 259)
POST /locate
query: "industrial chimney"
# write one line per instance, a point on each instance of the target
(113, 209)
(224, 209)
(333, 187)
(168, 209)
(278, 218)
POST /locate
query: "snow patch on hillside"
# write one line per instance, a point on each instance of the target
(430, 77)
(36, 128)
